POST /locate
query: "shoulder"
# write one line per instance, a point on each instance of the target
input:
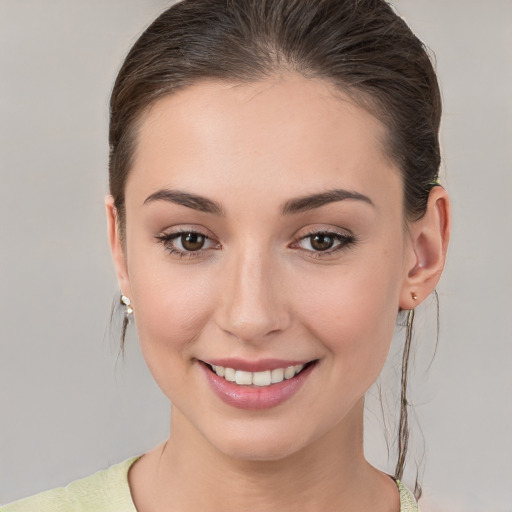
(105, 491)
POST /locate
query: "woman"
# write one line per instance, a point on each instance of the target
(274, 205)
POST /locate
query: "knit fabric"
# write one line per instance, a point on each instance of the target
(105, 491)
(108, 491)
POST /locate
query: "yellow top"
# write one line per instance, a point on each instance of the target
(108, 491)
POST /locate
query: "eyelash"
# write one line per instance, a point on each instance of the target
(166, 238)
(344, 242)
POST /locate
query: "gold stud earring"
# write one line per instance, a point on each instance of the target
(126, 301)
(414, 296)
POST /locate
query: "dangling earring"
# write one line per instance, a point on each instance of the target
(128, 308)
(128, 313)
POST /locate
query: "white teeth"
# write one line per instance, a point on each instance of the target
(229, 374)
(277, 375)
(244, 378)
(264, 378)
(289, 372)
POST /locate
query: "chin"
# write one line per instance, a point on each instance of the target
(258, 452)
(258, 443)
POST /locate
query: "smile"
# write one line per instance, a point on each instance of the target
(256, 385)
(261, 379)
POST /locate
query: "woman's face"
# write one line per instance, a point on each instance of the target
(264, 230)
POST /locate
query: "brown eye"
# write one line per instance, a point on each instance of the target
(321, 242)
(187, 244)
(192, 241)
(324, 243)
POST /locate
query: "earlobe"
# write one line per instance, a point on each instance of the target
(116, 246)
(429, 238)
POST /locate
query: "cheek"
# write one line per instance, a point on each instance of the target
(171, 306)
(353, 314)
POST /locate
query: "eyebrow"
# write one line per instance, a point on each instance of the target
(193, 201)
(298, 205)
(313, 201)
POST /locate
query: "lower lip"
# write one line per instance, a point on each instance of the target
(255, 397)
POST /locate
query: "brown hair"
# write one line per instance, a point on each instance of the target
(361, 46)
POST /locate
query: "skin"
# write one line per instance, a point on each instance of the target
(258, 289)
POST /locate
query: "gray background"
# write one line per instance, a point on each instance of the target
(70, 406)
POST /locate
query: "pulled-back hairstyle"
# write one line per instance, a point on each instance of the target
(361, 46)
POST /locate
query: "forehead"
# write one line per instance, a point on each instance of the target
(284, 131)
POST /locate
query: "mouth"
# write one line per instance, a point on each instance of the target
(272, 383)
(263, 378)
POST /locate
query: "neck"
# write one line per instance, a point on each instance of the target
(187, 473)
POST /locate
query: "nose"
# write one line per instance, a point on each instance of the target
(253, 304)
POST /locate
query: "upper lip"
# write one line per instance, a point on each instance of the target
(255, 366)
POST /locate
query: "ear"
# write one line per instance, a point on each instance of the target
(116, 247)
(426, 251)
